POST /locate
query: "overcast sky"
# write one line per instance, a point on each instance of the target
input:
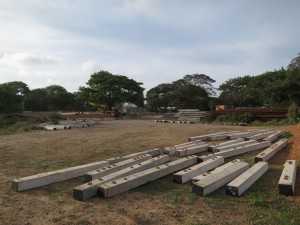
(151, 41)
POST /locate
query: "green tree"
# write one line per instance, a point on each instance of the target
(104, 87)
(233, 91)
(11, 96)
(36, 100)
(201, 80)
(293, 80)
(159, 96)
(190, 92)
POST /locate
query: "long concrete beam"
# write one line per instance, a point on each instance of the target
(271, 151)
(274, 136)
(119, 186)
(217, 180)
(154, 152)
(186, 175)
(216, 170)
(183, 145)
(204, 137)
(235, 145)
(191, 150)
(260, 136)
(211, 148)
(171, 150)
(286, 184)
(88, 190)
(241, 184)
(243, 149)
(25, 183)
(100, 172)
(245, 134)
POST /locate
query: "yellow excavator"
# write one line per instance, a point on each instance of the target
(104, 108)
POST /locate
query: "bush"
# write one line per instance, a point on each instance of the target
(293, 113)
(209, 118)
(236, 118)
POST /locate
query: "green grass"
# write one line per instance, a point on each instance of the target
(7, 130)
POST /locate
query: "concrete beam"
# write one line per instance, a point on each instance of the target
(216, 170)
(154, 152)
(186, 175)
(119, 186)
(203, 158)
(241, 184)
(286, 184)
(217, 180)
(271, 151)
(260, 136)
(211, 148)
(191, 150)
(88, 190)
(235, 145)
(243, 149)
(204, 137)
(171, 150)
(274, 136)
(25, 183)
(100, 172)
(245, 134)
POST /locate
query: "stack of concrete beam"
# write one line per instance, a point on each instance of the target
(241, 184)
(271, 151)
(42, 179)
(260, 136)
(274, 136)
(205, 137)
(100, 172)
(187, 174)
(234, 145)
(121, 185)
(88, 190)
(216, 170)
(237, 150)
(171, 150)
(153, 152)
(192, 115)
(286, 184)
(213, 147)
(216, 180)
(191, 150)
(245, 134)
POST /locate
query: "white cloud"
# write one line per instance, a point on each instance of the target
(89, 67)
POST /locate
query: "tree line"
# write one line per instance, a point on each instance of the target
(276, 88)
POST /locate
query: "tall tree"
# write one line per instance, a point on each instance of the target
(104, 87)
(233, 91)
(203, 81)
(11, 96)
(293, 80)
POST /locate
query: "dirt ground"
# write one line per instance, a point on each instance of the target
(159, 202)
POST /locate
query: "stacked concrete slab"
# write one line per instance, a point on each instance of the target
(192, 115)
(234, 145)
(240, 184)
(216, 180)
(286, 184)
(260, 136)
(118, 186)
(187, 174)
(271, 151)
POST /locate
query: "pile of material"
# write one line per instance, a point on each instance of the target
(207, 172)
(192, 115)
(68, 124)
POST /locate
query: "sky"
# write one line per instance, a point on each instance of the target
(63, 42)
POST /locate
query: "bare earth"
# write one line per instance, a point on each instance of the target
(159, 202)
